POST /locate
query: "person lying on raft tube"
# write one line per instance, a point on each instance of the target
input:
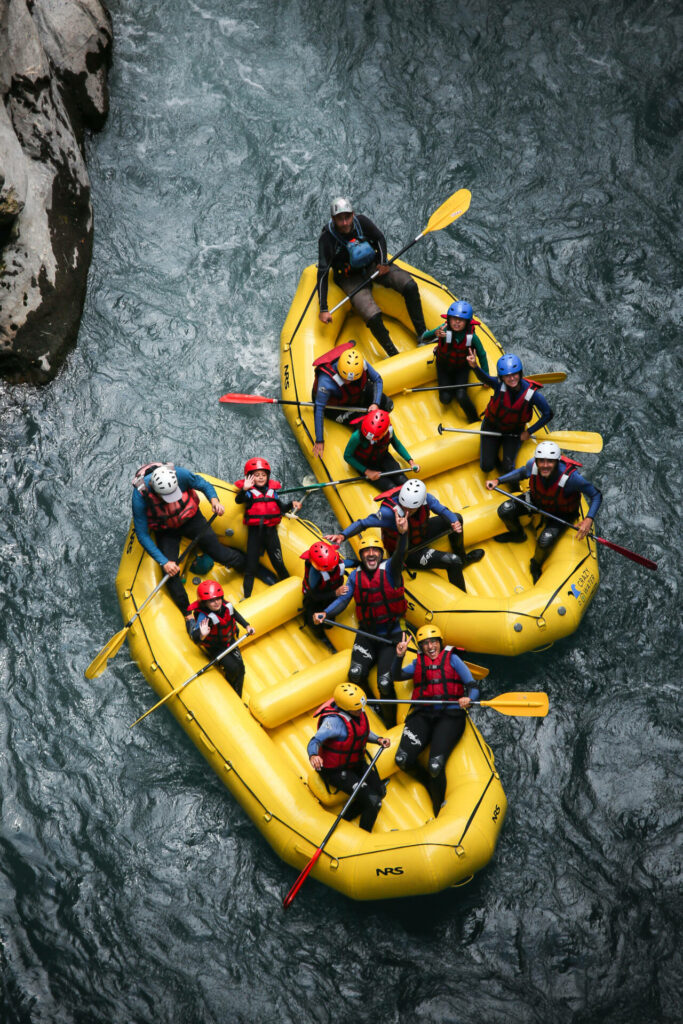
(439, 675)
(355, 248)
(555, 486)
(509, 411)
(337, 751)
(368, 449)
(165, 501)
(414, 502)
(455, 340)
(262, 516)
(323, 580)
(377, 589)
(343, 377)
(214, 627)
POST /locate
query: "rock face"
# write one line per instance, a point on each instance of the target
(54, 58)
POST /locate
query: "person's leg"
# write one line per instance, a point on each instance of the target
(366, 307)
(510, 512)
(385, 683)
(444, 378)
(462, 395)
(545, 542)
(363, 657)
(272, 546)
(198, 526)
(252, 559)
(233, 670)
(448, 728)
(368, 799)
(510, 446)
(417, 730)
(168, 542)
(488, 456)
(402, 282)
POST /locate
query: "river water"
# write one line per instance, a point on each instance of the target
(133, 888)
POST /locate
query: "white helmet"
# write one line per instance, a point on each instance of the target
(413, 494)
(340, 205)
(164, 482)
(547, 450)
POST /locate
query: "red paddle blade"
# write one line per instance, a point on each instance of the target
(289, 898)
(639, 559)
(247, 399)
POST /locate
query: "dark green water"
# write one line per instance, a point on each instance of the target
(133, 888)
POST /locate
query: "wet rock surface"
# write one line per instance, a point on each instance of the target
(54, 58)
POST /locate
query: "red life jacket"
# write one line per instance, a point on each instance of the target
(170, 515)
(550, 495)
(372, 455)
(377, 602)
(223, 632)
(508, 413)
(330, 580)
(451, 351)
(351, 390)
(417, 523)
(436, 680)
(261, 507)
(350, 751)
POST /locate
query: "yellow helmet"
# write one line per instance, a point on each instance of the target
(349, 697)
(350, 365)
(429, 632)
(370, 539)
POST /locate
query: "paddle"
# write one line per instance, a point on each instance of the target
(454, 207)
(289, 898)
(539, 378)
(237, 399)
(187, 682)
(478, 671)
(112, 647)
(347, 480)
(574, 440)
(626, 552)
(519, 704)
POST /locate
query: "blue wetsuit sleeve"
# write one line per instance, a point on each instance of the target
(373, 521)
(517, 474)
(402, 672)
(486, 378)
(332, 728)
(395, 563)
(326, 394)
(340, 603)
(377, 384)
(576, 483)
(435, 506)
(544, 409)
(192, 481)
(142, 529)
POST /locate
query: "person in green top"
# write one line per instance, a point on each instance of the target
(454, 340)
(368, 450)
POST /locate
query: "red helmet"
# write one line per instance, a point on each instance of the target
(322, 556)
(375, 425)
(208, 590)
(251, 465)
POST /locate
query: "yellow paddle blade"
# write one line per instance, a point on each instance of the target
(478, 671)
(576, 440)
(98, 664)
(523, 705)
(449, 211)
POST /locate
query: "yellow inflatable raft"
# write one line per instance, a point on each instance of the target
(258, 747)
(502, 612)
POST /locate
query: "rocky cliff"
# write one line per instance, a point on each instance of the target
(54, 58)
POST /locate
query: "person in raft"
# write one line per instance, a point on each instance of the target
(343, 377)
(368, 449)
(441, 677)
(263, 512)
(213, 627)
(508, 412)
(455, 340)
(166, 502)
(555, 486)
(323, 581)
(337, 751)
(355, 248)
(377, 588)
(427, 519)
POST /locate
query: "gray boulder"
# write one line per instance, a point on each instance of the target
(54, 58)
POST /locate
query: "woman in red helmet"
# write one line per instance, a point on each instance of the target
(213, 626)
(368, 449)
(323, 581)
(262, 515)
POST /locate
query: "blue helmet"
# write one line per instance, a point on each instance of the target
(509, 364)
(461, 309)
